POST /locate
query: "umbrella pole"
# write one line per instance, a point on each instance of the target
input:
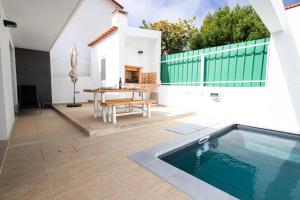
(74, 104)
(74, 94)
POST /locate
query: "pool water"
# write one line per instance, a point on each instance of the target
(245, 164)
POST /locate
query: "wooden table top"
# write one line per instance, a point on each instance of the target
(104, 90)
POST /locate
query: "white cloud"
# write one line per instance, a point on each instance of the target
(154, 10)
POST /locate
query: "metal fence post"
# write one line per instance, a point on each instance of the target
(202, 64)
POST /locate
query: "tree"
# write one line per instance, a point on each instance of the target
(175, 36)
(227, 26)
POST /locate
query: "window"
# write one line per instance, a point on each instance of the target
(103, 69)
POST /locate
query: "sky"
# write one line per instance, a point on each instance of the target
(154, 10)
(290, 2)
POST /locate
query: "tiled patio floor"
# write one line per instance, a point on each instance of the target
(49, 158)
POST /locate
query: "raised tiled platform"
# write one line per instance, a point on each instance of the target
(82, 118)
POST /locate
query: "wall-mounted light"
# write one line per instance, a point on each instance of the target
(9, 24)
(140, 52)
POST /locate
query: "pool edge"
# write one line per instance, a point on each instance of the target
(192, 186)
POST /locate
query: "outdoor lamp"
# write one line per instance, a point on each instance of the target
(9, 24)
(140, 52)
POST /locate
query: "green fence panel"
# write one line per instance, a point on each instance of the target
(195, 72)
(225, 66)
(239, 73)
(248, 68)
(218, 66)
(234, 65)
(206, 64)
(211, 63)
(258, 64)
(184, 70)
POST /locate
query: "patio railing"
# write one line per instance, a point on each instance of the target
(235, 65)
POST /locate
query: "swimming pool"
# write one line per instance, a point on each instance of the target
(245, 162)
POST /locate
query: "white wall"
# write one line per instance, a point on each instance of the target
(268, 107)
(91, 19)
(6, 81)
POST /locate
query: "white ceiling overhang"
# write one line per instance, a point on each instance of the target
(39, 21)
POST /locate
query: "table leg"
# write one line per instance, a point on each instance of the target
(109, 113)
(114, 115)
(104, 114)
(103, 97)
(99, 108)
(95, 105)
(144, 110)
(149, 110)
(143, 96)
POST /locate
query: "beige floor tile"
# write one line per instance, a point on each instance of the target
(31, 185)
(49, 158)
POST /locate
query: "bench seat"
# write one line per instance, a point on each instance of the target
(109, 107)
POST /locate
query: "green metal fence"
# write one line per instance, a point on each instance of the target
(235, 65)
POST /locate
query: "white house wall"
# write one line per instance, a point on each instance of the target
(92, 18)
(149, 41)
(132, 46)
(121, 48)
(6, 81)
(108, 48)
(293, 16)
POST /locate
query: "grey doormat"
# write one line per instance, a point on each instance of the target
(186, 128)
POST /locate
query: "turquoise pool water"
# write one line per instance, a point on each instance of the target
(245, 164)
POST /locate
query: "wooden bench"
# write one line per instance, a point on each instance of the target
(110, 106)
(99, 106)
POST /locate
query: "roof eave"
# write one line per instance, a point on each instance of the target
(102, 36)
(292, 6)
(117, 4)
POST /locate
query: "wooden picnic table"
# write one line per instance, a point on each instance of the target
(102, 92)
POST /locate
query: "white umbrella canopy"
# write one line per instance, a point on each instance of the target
(73, 73)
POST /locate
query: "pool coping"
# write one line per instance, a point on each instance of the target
(192, 186)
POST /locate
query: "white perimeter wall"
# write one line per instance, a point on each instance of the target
(91, 19)
(7, 76)
(268, 107)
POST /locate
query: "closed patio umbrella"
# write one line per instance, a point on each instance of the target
(74, 75)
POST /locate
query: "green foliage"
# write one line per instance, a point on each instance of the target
(224, 26)
(175, 36)
(227, 26)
